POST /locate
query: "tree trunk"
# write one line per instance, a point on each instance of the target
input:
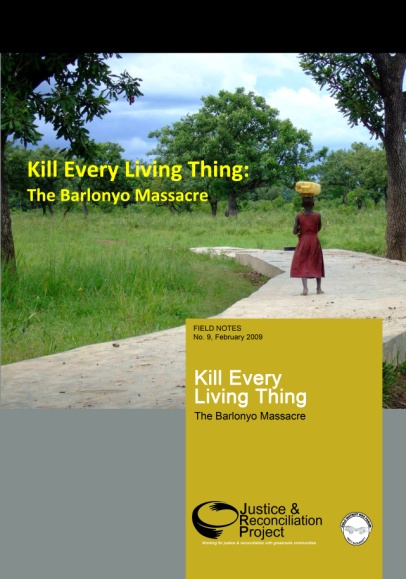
(232, 207)
(344, 198)
(395, 148)
(396, 204)
(213, 205)
(8, 257)
(391, 71)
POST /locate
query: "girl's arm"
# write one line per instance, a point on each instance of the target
(319, 221)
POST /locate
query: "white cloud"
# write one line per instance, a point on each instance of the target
(136, 148)
(199, 74)
(316, 112)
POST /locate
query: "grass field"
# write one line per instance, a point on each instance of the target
(130, 272)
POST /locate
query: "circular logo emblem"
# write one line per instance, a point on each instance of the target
(356, 528)
(214, 528)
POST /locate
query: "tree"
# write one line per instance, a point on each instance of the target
(369, 91)
(359, 167)
(16, 176)
(101, 154)
(236, 130)
(81, 86)
(18, 181)
(369, 166)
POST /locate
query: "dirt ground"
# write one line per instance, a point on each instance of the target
(399, 393)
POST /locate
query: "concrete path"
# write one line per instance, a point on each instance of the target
(149, 371)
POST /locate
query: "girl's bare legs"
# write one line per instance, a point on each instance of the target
(305, 290)
(319, 291)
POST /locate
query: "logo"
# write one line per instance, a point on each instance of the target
(213, 528)
(356, 528)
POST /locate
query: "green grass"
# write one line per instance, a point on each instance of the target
(130, 272)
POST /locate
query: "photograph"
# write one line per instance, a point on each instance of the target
(142, 190)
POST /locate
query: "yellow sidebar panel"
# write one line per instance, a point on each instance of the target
(283, 448)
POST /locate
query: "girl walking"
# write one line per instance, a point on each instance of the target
(308, 262)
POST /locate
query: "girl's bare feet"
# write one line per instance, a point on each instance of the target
(304, 292)
(319, 291)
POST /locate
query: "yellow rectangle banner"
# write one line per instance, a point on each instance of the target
(283, 448)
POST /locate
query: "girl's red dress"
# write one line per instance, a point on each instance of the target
(308, 257)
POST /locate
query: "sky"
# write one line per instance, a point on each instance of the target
(173, 84)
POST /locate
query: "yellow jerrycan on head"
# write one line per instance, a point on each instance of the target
(307, 188)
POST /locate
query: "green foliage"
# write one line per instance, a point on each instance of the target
(389, 376)
(297, 203)
(81, 86)
(237, 129)
(18, 180)
(368, 88)
(278, 202)
(16, 175)
(353, 80)
(361, 169)
(273, 192)
(79, 89)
